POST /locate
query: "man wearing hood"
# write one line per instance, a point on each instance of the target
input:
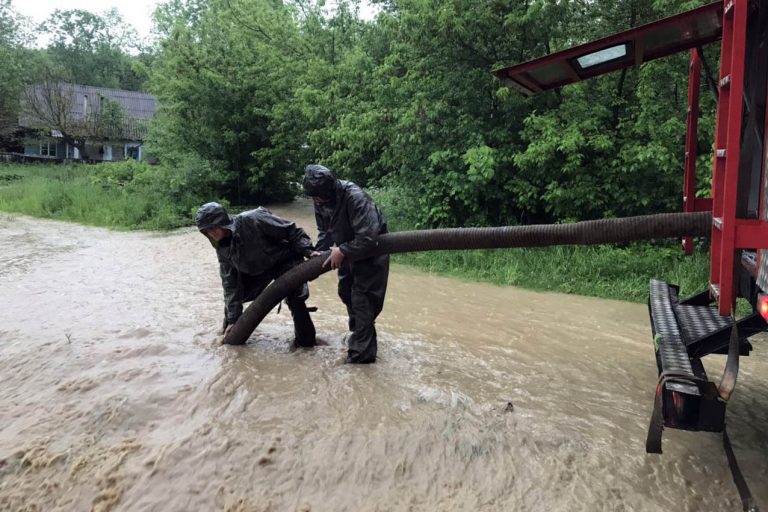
(254, 248)
(349, 224)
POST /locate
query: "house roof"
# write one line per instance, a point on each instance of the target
(82, 101)
(683, 31)
(138, 105)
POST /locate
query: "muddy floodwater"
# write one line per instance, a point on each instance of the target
(114, 394)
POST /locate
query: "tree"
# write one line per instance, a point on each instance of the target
(94, 48)
(409, 101)
(218, 77)
(595, 152)
(13, 35)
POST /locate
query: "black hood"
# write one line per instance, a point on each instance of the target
(319, 181)
(212, 215)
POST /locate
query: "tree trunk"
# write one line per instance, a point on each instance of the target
(76, 143)
(81, 148)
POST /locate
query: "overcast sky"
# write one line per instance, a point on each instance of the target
(136, 12)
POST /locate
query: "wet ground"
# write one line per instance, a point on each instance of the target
(114, 394)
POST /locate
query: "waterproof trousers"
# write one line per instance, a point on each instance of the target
(362, 287)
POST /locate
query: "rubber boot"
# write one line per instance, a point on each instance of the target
(303, 327)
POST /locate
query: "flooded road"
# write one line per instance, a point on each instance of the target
(115, 396)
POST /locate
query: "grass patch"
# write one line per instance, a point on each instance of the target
(608, 271)
(600, 271)
(86, 194)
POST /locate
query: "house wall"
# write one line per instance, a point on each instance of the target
(33, 149)
(95, 151)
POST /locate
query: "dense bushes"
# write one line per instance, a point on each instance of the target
(408, 101)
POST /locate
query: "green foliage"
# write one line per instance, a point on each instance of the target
(217, 85)
(109, 122)
(123, 195)
(92, 48)
(408, 102)
(14, 58)
(257, 89)
(400, 207)
(183, 187)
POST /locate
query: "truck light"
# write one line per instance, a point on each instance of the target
(762, 305)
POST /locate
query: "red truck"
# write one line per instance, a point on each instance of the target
(687, 330)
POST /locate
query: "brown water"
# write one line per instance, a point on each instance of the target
(115, 396)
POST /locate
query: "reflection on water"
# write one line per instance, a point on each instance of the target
(115, 395)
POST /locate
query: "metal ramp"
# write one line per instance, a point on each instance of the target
(683, 333)
(686, 398)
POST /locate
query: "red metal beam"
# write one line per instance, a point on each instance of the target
(691, 141)
(763, 215)
(725, 180)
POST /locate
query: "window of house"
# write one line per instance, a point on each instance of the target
(47, 148)
(133, 152)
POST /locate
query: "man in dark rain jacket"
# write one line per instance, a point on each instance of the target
(254, 248)
(348, 218)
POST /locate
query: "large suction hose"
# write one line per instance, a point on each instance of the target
(627, 229)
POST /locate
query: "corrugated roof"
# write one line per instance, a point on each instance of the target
(85, 100)
(139, 105)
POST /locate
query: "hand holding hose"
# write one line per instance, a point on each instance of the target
(336, 259)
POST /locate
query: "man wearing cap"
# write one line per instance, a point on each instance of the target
(349, 224)
(254, 248)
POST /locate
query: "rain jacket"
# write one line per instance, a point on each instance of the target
(352, 221)
(260, 242)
